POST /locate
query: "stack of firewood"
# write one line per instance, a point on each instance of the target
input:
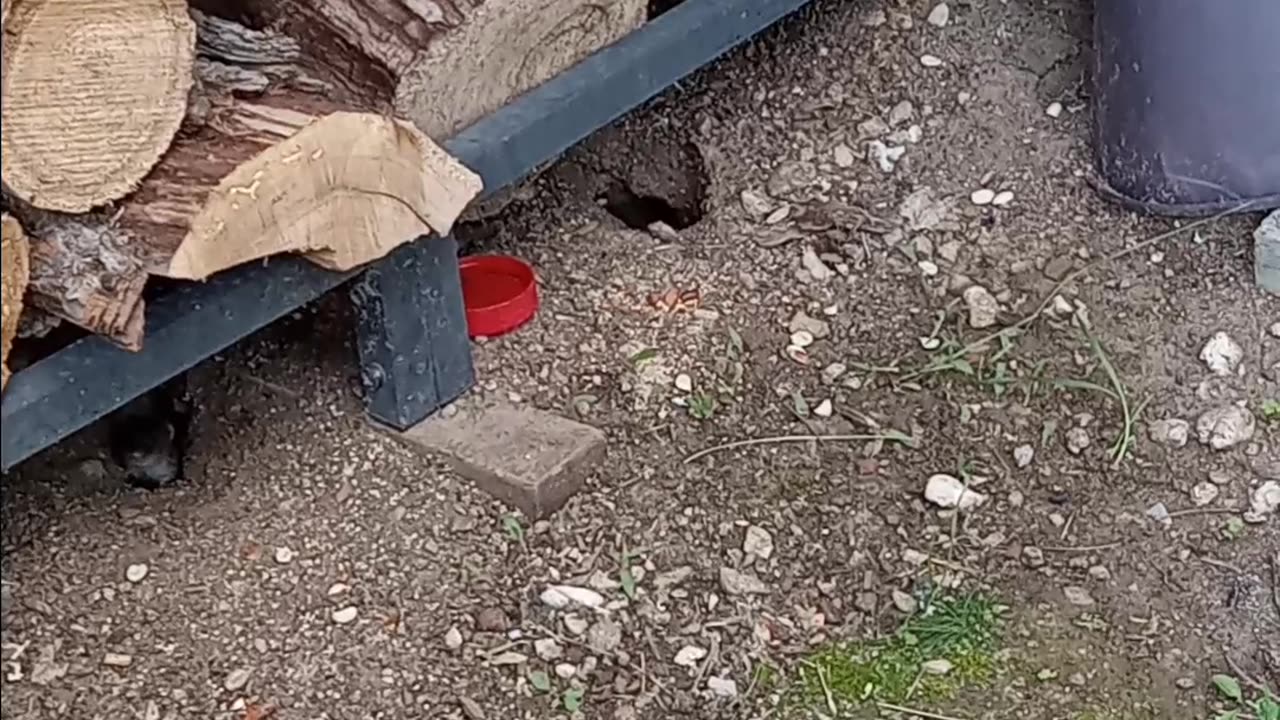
(165, 138)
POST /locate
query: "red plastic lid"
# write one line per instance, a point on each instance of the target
(500, 294)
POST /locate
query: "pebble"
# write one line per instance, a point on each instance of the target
(342, 616)
(1204, 493)
(684, 383)
(689, 655)
(940, 15)
(509, 658)
(492, 619)
(816, 327)
(547, 649)
(565, 671)
(756, 204)
(663, 232)
(1225, 427)
(1100, 572)
(1023, 455)
(928, 268)
(284, 555)
(758, 542)
(813, 264)
(911, 556)
(941, 666)
(562, 596)
(801, 339)
(1077, 440)
(136, 573)
(1032, 556)
(237, 679)
(843, 156)
(1274, 330)
(1054, 110)
(453, 638)
(983, 196)
(947, 491)
(832, 372)
(575, 625)
(778, 215)
(604, 636)
(930, 61)
(984, 309)
(1265, 499)
(1158, 512)
(904, 602)
(736, 582)
(901, 113)
(1002, 198)
(722, 687)
(1222, 354)
(824, 409)
(1079, 596)
(1171, 432)
(883, 156)
(117, 660)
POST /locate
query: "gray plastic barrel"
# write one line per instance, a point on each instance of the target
(1187, 104)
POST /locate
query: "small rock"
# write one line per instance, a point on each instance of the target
(136, 573)
(1032, 556)
(117, 660)
(1077, 440)
(941, 666)
(237, 679)
(1100, 572)
(866, 602)
(722, 687)
(905, 603)
(1016, 498)
(604, 636)
(471, 708)
(684, 383)
(801, 339)
(832, 372)
(813, 264)
(984, 309)
(1023, 455)
(940, 15)
(1077, 679)
(1265, 499)
(508, 658)
(492, 619)
(883, 156)
(824, 409)
(1274, 329)
(946, 491)
(565, 671)
(1185, 683)
(1204, 493)
(928, 268)
(1079, 596)
(342, 616)
(843, 156)
(1058, 268)
(453, 638)
(816, 327)
(756, 204)
(901, 113)
(911, 556)
(1170, 433)
(982, 196)
(663, 232)
(1222, 354)
(778, 215)
(758, 542)
(1054, 110)
(689, 655)
(547, 649)
(1225, 427)
(1002, 198)
(562, 596)
(1218, 476)
(930, 61)
(672, 578)
(736, 582)
(575, 625)
(1158, 512)
(872, 127)
(284, 555)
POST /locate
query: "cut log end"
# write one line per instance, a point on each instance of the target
(15, 261)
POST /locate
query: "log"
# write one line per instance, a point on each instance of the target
(295, 139)
(13, 285)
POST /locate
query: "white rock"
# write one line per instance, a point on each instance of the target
(604, 636)
(284, 555)
(547, 649)
(843, 156)
(930, 61)
(237, 679)
(778, 215)
(575, 625)
(136, 573)
(940, 15)
(982, 196)
(1077, 595)
(1204, 493)
(722, 687)
(562, 596)
(1158, 512)
(904, 602)
(756, 204)
(1225, 427)
(689, 655)
(832, 372)
(342, 616)
(1054, 110)
(1023, 455)
(453, 638)
(1266, 498)
(684, 383)
(1077, 440)
(117, 660)
(1274, 330)
(984, 309)
(758, 542)
(928, 268)
(337, 589)
(946, 491)
(901, 113)
(813, 264)
(801, 339)
(824, 409)
(883, 156)
(1171, 432)
(817, 327)
(941, 666)
(930, 343)
(911, 556)
(736, 582)
(1002, 198)
(1222, 354)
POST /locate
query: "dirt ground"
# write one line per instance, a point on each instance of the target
(314, 568)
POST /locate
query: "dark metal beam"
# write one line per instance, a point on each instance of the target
(88, 379)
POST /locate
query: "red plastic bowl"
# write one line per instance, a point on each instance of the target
(500, 294)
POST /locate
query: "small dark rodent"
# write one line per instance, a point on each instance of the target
(148, 436)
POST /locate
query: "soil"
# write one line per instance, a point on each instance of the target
(297, 509)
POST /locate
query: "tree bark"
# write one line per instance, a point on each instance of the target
(16, 268)
(288, 144)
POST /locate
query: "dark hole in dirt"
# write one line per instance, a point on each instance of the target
(640, 211)
(658, 7)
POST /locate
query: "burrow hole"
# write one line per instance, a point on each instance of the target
(670, 188)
